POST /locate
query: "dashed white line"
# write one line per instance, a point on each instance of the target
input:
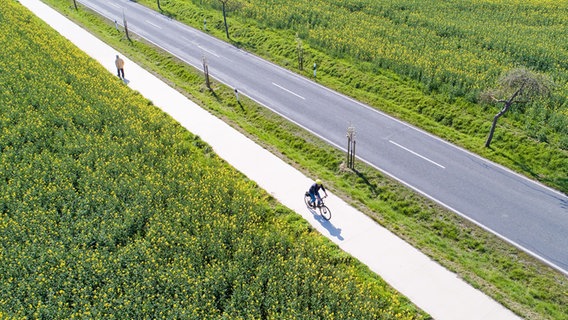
(208, 51)
(416, 154)
(153, 25)
(281, 87)
(186, 39)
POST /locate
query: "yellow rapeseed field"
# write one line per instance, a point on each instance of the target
(110, 209)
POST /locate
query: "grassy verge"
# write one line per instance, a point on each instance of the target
(516, 280)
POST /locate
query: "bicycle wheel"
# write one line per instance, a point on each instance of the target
(325, 212)
(307, 199)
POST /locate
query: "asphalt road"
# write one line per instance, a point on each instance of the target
(525, 213)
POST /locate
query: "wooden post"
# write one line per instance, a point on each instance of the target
(206, 72)
(125, 26)
(348, 151)
(353, 154)
(351, 147)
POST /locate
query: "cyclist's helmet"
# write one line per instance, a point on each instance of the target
(318, 182)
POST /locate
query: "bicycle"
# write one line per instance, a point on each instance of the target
(319, 205)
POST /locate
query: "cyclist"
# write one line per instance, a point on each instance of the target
(314, 192)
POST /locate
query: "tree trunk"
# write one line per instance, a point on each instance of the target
(348, 152)
(225, 20)
(508, 104)
(126, 27)
(159, 7)
(206, 73)
(490, 137)
(494, 124)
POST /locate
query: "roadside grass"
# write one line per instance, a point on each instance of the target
(521, 283)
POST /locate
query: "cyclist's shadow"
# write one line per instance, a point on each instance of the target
(333, 231)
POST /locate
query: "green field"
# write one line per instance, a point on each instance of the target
(509, 276)
(110, 209)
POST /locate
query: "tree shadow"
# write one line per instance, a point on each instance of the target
(237, 43)
(564, 204)
(560, 184)
(214, 94)
(242, 108)
(366, 181)
(168, 14)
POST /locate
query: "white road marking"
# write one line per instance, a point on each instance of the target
(208, 51)
(281, 87)
(153, 25)
(116, 5)
(416, 154)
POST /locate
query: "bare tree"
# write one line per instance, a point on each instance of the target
(514, 87)
(300, 49)
(206, 72)
(125, 26)
(224, 3)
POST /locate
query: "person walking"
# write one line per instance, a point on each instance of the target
(119, 66)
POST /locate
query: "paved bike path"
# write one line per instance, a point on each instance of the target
(428, 285)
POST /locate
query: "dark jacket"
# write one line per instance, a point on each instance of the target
(315, 188)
